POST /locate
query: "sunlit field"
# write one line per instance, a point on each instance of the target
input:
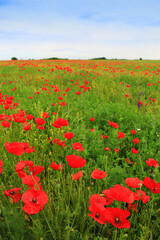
(80, 150)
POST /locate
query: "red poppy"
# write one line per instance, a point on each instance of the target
(134, 151)
(107, 149)
(127, 95)
(97, 174)
(134, 182)
(60, 122)
(152, 185)
(92, 119)
(98, 211)
(113, 124)
(40, 121)
(141, 195)
(34, 201)
(78, 93)
(75, 161)
(151, 162)
(29, 117)
(69, 135)
(1, 165)
(13, 194)
(57, 141)
(121, 193)
(77, 176)
(133, 131)
(5, 124)
(117, 217)
(45, 115)
(120, 135)
(26, 126)
(56, 166)
(135, 141)
(77, 146)
(97, 199)
(18, 148)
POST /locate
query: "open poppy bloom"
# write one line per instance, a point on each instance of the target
(97, 174)
(77, 146)
(18, 148)
(117, 217)
(13, 194)
(151, 162)
(34, 201)
(60, 122)
(75, 161)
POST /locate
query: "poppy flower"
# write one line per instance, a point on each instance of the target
(34, 201)
(141, 195)
(29, 117)
(121, 193)
(134, 151)
(30, 180)
(152, 185)
(117, 217)
(127, 95)
(92, 130)
(78, 93)
(97, 199)
(133, 132)
(18, 148)
(1, 165)
(77, 176)
(5, 124)
(40, 121)
(107, 149)
(57, 141)
(13, 194)
(151, 162)
(135, 141)
(134, 182)
(120, 135)
(75, 161)
(97, 174)
(26, 126)
(45, 115)
(113, 124)
(91, 119)
(56, 166)
(98, 211)
(77, 146)
(69, 135)
(60, 122)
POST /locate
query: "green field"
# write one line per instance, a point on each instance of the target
(98, 103)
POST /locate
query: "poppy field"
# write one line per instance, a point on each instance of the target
(79, 150)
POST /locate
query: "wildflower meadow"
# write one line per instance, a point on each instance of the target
(79, 150)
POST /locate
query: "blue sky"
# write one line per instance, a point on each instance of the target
(80, 29)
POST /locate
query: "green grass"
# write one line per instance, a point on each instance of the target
(65, 216)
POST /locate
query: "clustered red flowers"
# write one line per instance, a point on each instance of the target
(35, 198)
(100, 211)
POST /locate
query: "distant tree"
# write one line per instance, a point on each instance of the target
(140, 59)
(14, 58)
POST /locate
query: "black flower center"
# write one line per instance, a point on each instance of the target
(117, 220)
(34, 200)
(97, 215)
